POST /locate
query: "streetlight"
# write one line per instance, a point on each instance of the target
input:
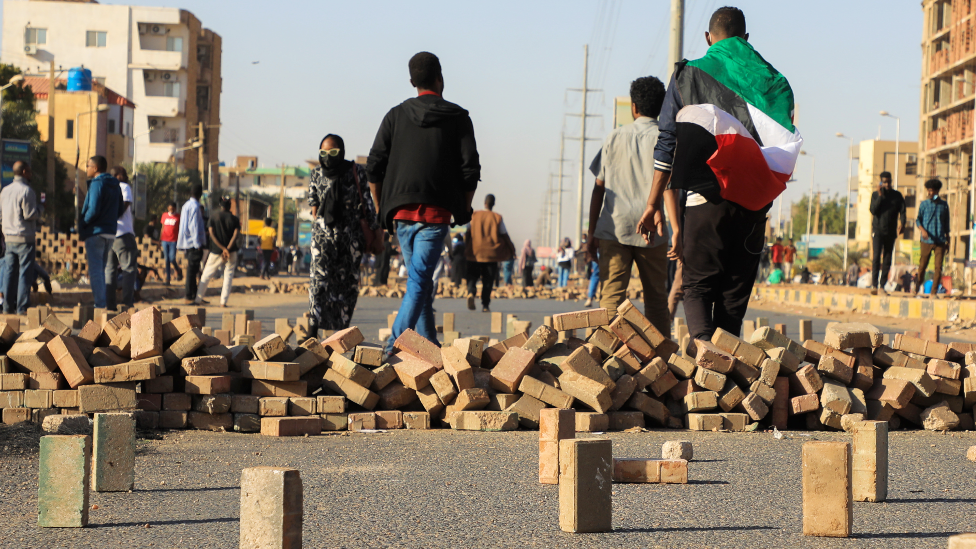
(77, 136)
(897, 140)
(847, 205)
(14, 80)
(813, 168)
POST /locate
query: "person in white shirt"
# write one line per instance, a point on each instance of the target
(564, 261)
(124, 250)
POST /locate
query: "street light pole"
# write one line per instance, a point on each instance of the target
(847, 203)
(813, 168)
(897, 142)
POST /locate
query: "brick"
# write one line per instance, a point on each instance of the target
(416, 420)
(330, 404)
(430, 401)
(32, 355)
(585, 484)
(444, 387)
(589, 392)
(63, 481)
(513, 366)
(754, 406)
(172, 419)
(483, 420)
(804, 403)
(122, 342)
(268, 348)
(272, 504)
(648, 471)
(45, 380)
(652, 408)
(681, 366)
(808, 380)
(494, 353)
(383, 376)
(827, 490)
(419, 347)
(710, 379)
(602, 338)
(590, 318)
(700, 401)
(114, 452)
(207, 385)
(302, 406)
(271, 371)
(413, 373)
(147, 334)
(471, 348)
(65, 399)
(273, 406)
(732, 395)
(663, 384)
(38, 398)
(354, 392)
(767, 338)
(496, 322)
(663, 347)
(591, 422)
(788, 361)
(472, 399)
(886, 356)
(943, 368)
(527, 408)
(734, 422)
(395, 395)
(554, 425)
(186, 345)
(104, 398)
(131, 371)
(653, 371)
(625, 387)
(768, 371)
(389, 419)
(684, 388)
(896, 392)
(712, 358)
(832, 368)
(581, 362)
(103, 356)
(344, 366)
(457, 366)
(204, 365)
(177, 402)
(918, 346)
(621, 420)
(746, 352)
(541, 341)
(16, 415)
(870, 461)
(70, 360)
(368, 355)
(211, 422)
(847, 335)
(314, 355)
(704, 422)
(254, 329)
(835, 397)
(173, 329)
(41, 334)
(962, 541)
(626, 333)
(924, 384)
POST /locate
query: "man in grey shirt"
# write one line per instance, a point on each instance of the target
(18, 209)
(617, 203)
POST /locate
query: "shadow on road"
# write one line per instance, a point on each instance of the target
(695, 529)
(163, 522)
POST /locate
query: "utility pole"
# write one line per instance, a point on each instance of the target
(676, 44)
(559, 193)
(816, 218)
(582, 139)
(51, 188)
(281, 210)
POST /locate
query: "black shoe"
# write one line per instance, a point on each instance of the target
(470, 302)
(485, 310)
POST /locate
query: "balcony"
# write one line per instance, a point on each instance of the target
(157, 105)
(158, 59)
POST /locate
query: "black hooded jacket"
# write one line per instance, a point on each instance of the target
(425, 153)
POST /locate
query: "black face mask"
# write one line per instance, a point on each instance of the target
(332, 162)
(334, 165)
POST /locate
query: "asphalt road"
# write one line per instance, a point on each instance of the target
(447, 489)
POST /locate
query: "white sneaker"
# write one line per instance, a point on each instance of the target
(589, 303)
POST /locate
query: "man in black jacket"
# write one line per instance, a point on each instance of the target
(423, 170)
(888, 209)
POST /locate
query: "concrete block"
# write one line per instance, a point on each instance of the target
(114, 455)
(827, 491)
(677, 449)
(63, 481)
(272, 507)
(585, 484)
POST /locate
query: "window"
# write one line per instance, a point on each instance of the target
(35, 36)
(95, 39)
(203, 97)
(174, 43)
(171, 89)
(171, 135)
(69, 129)
(100, 80)
(203, 55)
(111, 125)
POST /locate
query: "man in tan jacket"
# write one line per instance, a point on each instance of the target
(488, 243)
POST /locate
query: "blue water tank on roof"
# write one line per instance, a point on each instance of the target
(79, 79)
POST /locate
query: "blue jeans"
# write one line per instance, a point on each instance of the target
(421, 244)
(97, 250)
(18, 276)
(169, 253)
(563, 274)
(594, 279)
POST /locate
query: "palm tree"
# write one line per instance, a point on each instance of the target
(832, 259)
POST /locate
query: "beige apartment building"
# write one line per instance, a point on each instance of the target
(946, 128)
(874, 157)
(160, 59)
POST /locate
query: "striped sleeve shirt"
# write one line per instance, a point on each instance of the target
(933, 216)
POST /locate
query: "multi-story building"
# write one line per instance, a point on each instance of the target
(874, 157)
(161, 59)
(946, 128)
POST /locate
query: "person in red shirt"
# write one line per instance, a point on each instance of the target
(169, 236)
(778, 254)
(789, 257)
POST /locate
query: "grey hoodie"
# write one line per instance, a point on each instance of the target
(18, 211)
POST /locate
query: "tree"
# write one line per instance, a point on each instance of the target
(832, 259)
(159, 186)
(831, 216)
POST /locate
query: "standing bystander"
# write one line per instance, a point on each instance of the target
(267, 234)
(124, 250)
(888, 209)
(777, 252)
(99, 222)
(423, 169)
(169, 236)
(933, 222)
(18, 208)
(224, 227)
(789, 257)
(192, 240)
(488, 244)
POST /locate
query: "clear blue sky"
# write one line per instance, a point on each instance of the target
(337, 67)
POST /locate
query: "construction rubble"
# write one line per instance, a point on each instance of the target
(174, 373)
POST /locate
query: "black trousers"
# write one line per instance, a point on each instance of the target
(884, 244)
(193, 258)
(488, 273)
(721, 247)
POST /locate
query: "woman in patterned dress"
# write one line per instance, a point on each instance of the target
(338, 242)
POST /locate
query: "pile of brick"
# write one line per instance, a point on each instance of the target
(59, 251)
(625, 375)
(575, 291)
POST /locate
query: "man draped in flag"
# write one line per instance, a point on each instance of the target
(727, 138)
